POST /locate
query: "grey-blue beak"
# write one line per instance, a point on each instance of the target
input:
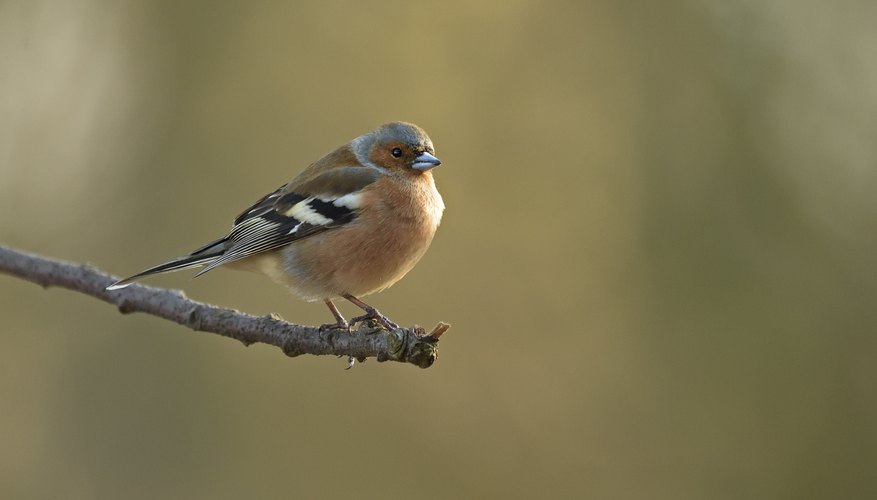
(425, 162)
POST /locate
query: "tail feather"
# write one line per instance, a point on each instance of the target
(200, 257)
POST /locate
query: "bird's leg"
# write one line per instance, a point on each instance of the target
(370, 313)
(340, 322)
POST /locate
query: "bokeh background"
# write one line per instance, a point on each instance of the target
(658, 254)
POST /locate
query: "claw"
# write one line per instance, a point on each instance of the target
(370, 313)
(342, 325)
(377, 316)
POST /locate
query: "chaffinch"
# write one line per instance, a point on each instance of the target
(352, 223)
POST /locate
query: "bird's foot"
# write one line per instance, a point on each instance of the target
(372, 313)
(338, 325)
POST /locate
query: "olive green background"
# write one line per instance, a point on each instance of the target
(658, 254)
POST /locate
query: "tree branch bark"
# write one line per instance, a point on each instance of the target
(408, 345)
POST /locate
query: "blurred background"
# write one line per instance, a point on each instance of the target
(658, 254)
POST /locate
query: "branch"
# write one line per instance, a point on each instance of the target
(408, 345)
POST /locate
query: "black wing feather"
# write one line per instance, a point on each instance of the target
(265, 226)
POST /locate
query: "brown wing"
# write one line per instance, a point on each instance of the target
(296, 210)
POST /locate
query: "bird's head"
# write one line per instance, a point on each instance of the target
(397, 146)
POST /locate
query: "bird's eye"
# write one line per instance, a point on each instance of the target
(396, 152)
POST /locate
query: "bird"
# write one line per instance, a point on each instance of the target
(350, 224)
